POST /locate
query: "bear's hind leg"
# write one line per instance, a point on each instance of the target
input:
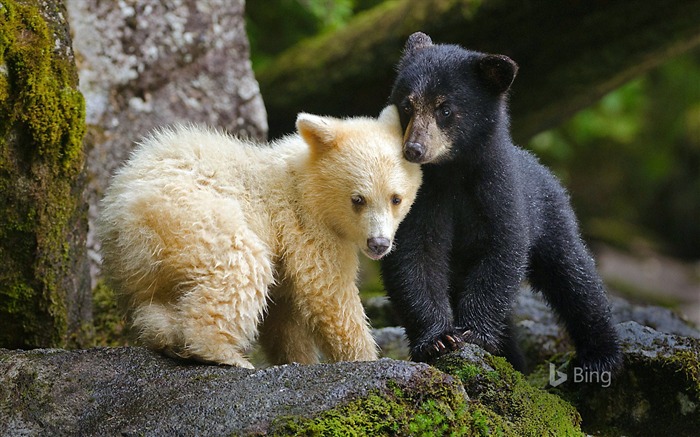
(220, 313)
(568, 279)
(510, 347)
(224, 271)
(156, 327)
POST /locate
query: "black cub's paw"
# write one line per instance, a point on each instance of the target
(489, 344)
(442, 344)
(597, 364)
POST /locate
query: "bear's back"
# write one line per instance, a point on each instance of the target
(184, 162)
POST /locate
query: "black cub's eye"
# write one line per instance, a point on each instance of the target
(406, 107)
(395, 199)
(444, 111)
(358, 200)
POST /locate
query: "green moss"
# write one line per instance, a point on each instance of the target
(432, 408)
(357, 418)
(41, 129)
(500, 403)
(108, 323)
(687, 363)
(382, 414)
(657, 393)
(500, 390)
(45, 99)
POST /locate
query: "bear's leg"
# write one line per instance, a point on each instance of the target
(416, 277)
(223, 270)
(321, 274)
(341, 327)
(510, 347)
(283, 335)
(564, 271)
(217, 329)
(334, 313)
(159, 328)
(483, 291)
(156, 326)
(219, 314)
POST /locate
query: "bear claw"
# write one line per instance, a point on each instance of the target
(441, 345)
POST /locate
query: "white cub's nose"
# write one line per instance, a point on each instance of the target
(378, 246)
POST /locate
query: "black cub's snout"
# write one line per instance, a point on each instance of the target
(378, 245)
(413, 152)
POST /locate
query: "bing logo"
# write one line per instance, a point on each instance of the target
(581, 374)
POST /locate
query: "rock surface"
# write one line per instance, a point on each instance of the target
(132, 391)
(657, 393)
(150, 63)
(541, 336)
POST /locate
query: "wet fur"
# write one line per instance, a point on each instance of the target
(209, 239)
(487, 217)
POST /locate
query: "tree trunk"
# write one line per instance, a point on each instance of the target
(44, 282)
(148, 64)
(570, 54)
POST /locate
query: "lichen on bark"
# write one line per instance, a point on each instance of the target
(42, 212)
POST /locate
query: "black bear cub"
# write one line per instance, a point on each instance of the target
(487, 217)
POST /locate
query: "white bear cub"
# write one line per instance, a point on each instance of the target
(212, 241)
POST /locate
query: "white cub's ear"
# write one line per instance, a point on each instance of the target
(390, 117)
(318, 132)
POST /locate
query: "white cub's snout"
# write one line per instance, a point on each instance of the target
(380, 227)
(377, 247)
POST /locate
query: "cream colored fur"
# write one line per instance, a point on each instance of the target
(200, 231)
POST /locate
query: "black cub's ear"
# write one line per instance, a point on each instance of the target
(498, 71)
(417, 41)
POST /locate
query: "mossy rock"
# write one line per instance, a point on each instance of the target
(495, 387)
(656, 393)
(498, 401)
(133, 391)
(433, 404)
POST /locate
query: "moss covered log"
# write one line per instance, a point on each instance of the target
(570, 54)
(44, 284)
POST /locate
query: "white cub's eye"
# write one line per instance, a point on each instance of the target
(396, 199)
(358, 200)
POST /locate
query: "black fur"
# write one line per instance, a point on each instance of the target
(487, 217)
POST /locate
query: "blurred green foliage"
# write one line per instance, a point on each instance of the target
(632, 161)
(276, 25)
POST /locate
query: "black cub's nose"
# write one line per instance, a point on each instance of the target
(378, 245)
(413, 152)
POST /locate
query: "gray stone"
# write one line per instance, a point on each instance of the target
(151, 63)
(132, 391)
(392, 342)
(661, 319)
(542, 337)
(656, 393)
